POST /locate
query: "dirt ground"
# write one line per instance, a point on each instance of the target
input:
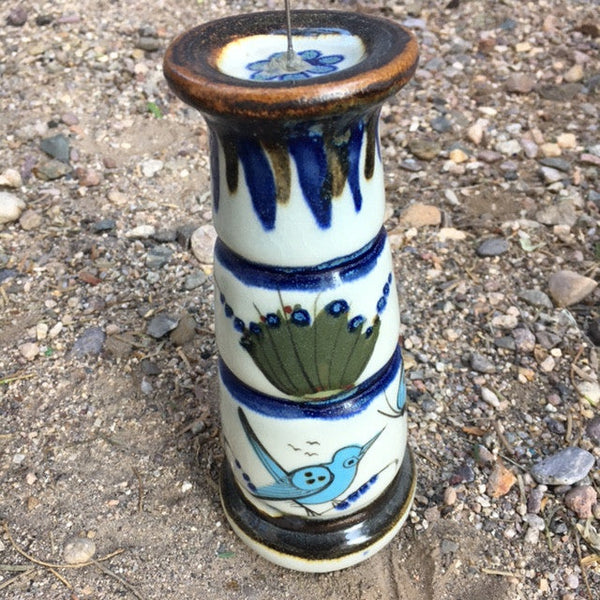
(110, 433)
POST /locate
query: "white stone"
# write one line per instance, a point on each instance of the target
(574, 74)
(509, 147)
(41, 331)
(476, 132)
(590, 390)
(78, 550)
(550, 150)
(151, 167)
(11, 178)
(566, 141)
(11, 207)
(450, 233)
(56, 329)
(141, 232)
(490, 397)
(202, 243)
(29, 350)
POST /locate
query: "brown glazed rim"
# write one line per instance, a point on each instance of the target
(190, 68)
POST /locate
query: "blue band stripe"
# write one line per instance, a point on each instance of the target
(324, 276)
(340, 406)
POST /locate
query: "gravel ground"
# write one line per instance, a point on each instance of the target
(109, 431)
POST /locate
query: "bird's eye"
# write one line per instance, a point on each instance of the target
(350, 462)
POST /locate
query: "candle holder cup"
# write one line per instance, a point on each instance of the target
(317, 474)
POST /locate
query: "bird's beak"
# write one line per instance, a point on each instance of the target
(364, 449)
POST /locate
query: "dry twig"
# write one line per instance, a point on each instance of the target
(140, 504)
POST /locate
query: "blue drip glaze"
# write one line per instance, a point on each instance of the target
(341, 406)
(354, 147)
(311, 163)
(327, 275)
(260, 181)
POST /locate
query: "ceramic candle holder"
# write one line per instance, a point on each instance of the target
(317, 475)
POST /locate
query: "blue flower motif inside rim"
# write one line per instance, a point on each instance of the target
(312, 63)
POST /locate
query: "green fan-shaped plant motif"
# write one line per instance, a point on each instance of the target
(302, 356)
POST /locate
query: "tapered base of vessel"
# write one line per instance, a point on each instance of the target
(319, 546)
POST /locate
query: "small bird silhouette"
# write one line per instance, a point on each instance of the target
(313, 484)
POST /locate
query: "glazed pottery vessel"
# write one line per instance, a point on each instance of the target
(317, 474)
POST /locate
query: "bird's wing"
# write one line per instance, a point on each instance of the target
(276, 471)
(297, 486)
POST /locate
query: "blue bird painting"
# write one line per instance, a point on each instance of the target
(313, 484)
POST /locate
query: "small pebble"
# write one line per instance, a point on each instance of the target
(446, 234)
(194, 280)
(589, 391)
(458, 156)
(572, 581)
(165, 236)
(536, 298)
(481, 364)
(464, 474)
(476, 132)
(550, 149)
(88, 177)
(185, 330)
(500, 481)
(158, 256)
(490, 397)
(492, 247)
(141, 232)
(450, 496)
(574, 74)
(104, 225)
(51, 170)
(184, 233)
(161, 324)
(507, 322)
(151, 167)
(567, 141)
(424, 149)
(524, 340)
(520, 83)
(420, 215)
(149, 44)
(564, 468)
(89, 343)
(11, 207)
(592, 429)
(117, 198)
(11, 178)
(17, 17)
(203, 242)
(29, 350)
(41, 331)
(562, 213)
(57, 147)
(30, 220)
(534, 500)
(509, 148)
(78, 550)
(550, 175)
(580, 500)
(482, 455)
(567, 287)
